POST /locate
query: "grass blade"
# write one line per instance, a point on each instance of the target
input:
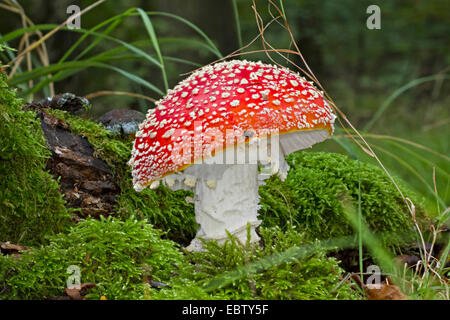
(238, 24)
(191, 25)
(276, 259)
(412, 170)
(397, 93)
(42, 71)
(93, 33)
(151, 32)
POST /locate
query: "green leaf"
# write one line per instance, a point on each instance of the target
(154, 39)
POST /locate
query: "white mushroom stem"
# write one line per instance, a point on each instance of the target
(231, 205)
(226, 195)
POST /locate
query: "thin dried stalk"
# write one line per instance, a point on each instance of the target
(119, 93)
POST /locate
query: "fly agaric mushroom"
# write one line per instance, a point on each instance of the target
(214, 131)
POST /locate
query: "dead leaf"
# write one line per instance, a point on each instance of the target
(384, 292)
(78, 293)
(410, 260)
(74, 293)
(13, 249)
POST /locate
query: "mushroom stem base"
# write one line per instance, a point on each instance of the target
(227, 204)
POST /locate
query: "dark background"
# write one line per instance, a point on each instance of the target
(359, 67)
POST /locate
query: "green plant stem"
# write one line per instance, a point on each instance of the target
(238, 24)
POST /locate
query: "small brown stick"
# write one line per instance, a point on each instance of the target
(119, 93)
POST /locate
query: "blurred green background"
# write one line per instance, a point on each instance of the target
(402, 68)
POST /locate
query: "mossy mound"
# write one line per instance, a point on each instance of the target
(115, 255)
(236, 271)
(31, 206)
(319, 185)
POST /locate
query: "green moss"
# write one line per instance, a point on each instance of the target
(317, 186)
(162, 207)
(311, 277)
(113, 254)
(31, 206)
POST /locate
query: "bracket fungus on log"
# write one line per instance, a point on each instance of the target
(221, 132)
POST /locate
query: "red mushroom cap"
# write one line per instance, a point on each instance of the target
(240, 95)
